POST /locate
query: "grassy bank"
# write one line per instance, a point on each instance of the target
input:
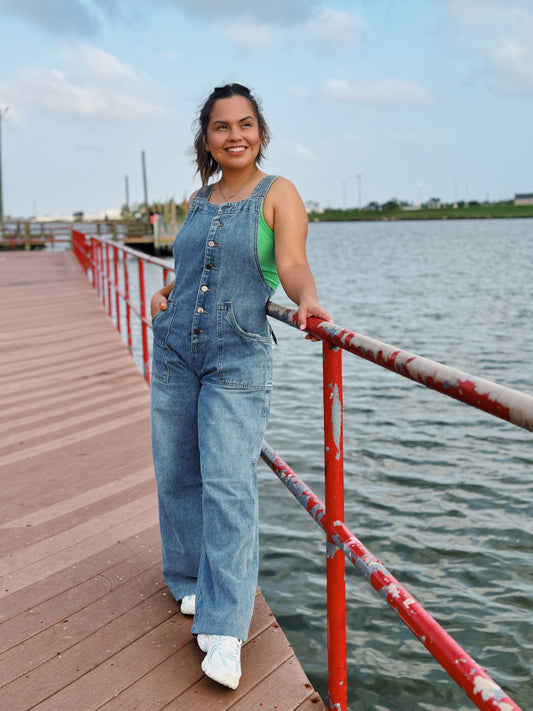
(491, 210)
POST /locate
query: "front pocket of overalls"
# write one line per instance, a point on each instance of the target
(244, 359)
(161, 325)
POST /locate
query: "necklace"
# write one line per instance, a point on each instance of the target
(227, 198)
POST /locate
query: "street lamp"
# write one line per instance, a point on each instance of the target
(3, 112)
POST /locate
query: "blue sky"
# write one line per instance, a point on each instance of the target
(373, 98)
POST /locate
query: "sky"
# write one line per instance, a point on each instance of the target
(367, 100)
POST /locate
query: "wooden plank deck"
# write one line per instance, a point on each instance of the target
(86, 621)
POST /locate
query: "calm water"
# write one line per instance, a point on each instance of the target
(441, 494)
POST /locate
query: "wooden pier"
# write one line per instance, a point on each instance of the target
(86, 621)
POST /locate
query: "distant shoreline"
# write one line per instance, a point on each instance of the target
(474, 212)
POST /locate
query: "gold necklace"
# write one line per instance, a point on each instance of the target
(229, 197)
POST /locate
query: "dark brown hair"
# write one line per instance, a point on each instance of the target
(207, 165)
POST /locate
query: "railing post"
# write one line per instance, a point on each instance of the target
(128, 305)
(115, 285)
(335, 566)
(98, 268)
(108, 278)
(144, 321)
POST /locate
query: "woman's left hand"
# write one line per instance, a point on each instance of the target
(311, 308)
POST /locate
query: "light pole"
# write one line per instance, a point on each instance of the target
(3, 112)
(145, 185)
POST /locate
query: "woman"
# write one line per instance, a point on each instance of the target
(212, 371)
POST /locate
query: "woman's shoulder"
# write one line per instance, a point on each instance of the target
(280, 181)
(283, 198)
(283, 189)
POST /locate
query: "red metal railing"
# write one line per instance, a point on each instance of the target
(104, 260)
(95, 256)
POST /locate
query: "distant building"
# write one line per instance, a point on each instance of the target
(523, 199)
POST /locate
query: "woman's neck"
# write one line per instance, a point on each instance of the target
(234, 180)
(236, 185)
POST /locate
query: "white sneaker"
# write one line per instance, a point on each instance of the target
(203, 642)
(223, 660)
(188, 604)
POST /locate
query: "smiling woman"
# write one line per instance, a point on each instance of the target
(212, 371)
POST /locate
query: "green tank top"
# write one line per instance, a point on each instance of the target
(266, 252)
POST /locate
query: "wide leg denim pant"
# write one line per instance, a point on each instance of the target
(209, 521)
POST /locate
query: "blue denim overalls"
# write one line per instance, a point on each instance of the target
(211, 386)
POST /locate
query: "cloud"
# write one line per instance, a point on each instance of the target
(512, 64)
(384, 92)
(299, 92)
(299, 152)
(96, 85)
(482, 14)
(323, 28)
(500, 34)
(336, 28)
(252, 36)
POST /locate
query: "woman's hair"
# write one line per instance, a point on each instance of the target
(207, 165)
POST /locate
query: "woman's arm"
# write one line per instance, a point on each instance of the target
(285, 213)
(159, 300)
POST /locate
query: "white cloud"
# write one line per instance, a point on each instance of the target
(512, 62)
(252, 36)
(336, 28)
(325, 29)
(384, 92)
(299, 152)
(500, 34)
(95, 85)
(482, 14)
(299, 92)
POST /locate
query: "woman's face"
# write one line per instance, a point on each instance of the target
(233, 136)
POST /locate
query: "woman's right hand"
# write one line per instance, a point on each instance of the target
(159, 300)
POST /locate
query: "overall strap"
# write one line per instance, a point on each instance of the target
(262, 187)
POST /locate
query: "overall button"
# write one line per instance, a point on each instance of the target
(211, 243)
(200, 310)
(198, 330)
(205, 288)
(209, 266)
(217, 223)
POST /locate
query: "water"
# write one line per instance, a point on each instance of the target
(440, 493)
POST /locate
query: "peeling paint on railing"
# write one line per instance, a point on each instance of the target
(474, 680)
(505, 403)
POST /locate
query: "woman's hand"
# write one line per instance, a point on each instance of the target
(308, 308)
(159, 300)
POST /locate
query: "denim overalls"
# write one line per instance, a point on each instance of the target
(211, 386)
